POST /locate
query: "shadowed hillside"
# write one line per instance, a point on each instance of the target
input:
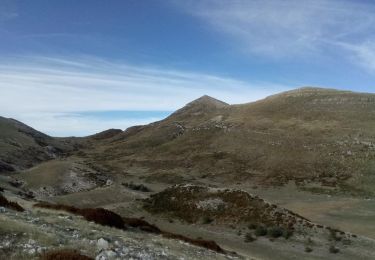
(22, 147)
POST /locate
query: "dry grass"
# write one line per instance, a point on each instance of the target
(299, 136)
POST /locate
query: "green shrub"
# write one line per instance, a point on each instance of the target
(308, 249)
(64, 254)
(137, 187)
(249, 237)
(260, 231)
(207, 220)
(4, 202)
(275, 231)
(333, 250)
(252, 226)
(287, 233)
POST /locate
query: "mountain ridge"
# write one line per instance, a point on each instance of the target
(274, 140)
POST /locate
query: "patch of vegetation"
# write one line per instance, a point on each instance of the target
(108, 218)
(137, 187)
(249, 237)
(333, 250)
(252, 226)
(287, 233)
(4, 202)
(142, 225)
(103, 217)
(308, 249)
(209, 244)
(192, 203)
(65, 254)
(260, 231)
(275, 231)
(207, 220)
(99, 215)
(333, 235)
(15, 183)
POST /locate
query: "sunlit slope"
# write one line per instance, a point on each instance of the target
(310, 135)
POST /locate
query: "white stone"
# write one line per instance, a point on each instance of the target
(100, 257)
(31, 242)
(102, 244)
(110, 254)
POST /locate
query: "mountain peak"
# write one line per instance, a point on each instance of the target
(208, 101)
(204, 104)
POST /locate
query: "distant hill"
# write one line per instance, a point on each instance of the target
(308, 135)
(22, 147)
(319, 138)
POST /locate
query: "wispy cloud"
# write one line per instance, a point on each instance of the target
(7, 11)
(5, 16)
(362, 54)
(38, 90)
(289, 28)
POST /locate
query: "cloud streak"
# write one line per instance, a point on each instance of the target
(38, 90)
(291, 28)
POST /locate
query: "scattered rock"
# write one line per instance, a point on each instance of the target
(102, 244)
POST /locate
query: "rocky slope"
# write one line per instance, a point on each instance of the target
(30, 234)
(22, 147)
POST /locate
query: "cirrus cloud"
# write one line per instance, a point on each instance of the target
(48, 92)
(292, 29)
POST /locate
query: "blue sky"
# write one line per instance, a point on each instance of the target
(78, 67)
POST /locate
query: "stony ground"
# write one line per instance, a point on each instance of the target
(27, 235)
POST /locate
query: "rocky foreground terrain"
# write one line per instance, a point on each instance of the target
(33, 232)
(287, 177)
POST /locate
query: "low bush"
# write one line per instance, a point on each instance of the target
(103, 217)
(64, 254)
(308, 249)
(100, 216)
(10, 204)
(334, 236)
(252, 226)
(137, 187)
(207, 220)
(142, 225)
(47, 205)
(249, 237)
(260, 231)
(275, 231)
(333, 250)
(287, 233)
(109, 218)
(209, 244)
